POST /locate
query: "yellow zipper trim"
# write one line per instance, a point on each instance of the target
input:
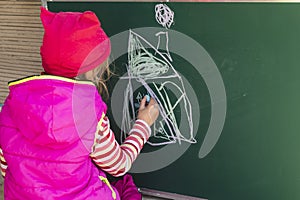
(45, 77)
(113, 193)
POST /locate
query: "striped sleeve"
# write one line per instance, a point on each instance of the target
(114, 158)
(3, 163)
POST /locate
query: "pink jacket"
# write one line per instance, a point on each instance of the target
(47, 131)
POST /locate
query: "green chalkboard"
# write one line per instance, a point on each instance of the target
(256, 50)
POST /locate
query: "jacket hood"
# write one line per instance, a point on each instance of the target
(54, 111)
(73, 43)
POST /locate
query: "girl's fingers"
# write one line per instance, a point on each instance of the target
(143, 103)
(152, 102)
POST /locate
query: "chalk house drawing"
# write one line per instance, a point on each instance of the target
(151, 67)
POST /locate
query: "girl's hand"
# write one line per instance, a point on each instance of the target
(148, 113)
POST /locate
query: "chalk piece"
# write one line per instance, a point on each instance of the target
(147, 98)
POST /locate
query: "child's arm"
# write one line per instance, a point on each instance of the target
(3, 164)
(114, 158)
(117, 159)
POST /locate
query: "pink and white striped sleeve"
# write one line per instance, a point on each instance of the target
(114, 158)
(3, 164)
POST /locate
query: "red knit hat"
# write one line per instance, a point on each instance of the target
(73, 43)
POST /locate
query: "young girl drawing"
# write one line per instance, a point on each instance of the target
(55, 139)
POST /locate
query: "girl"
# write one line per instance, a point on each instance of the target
(55, 138)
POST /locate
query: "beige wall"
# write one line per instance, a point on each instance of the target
(20, 39)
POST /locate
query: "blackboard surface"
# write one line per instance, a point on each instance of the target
(256, 47)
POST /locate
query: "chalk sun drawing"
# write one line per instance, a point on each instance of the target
(164, 15)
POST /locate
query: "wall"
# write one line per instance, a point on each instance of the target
(20, 39)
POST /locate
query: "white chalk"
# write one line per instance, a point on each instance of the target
(147, 98)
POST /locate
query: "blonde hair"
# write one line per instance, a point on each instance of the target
(99, 76)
